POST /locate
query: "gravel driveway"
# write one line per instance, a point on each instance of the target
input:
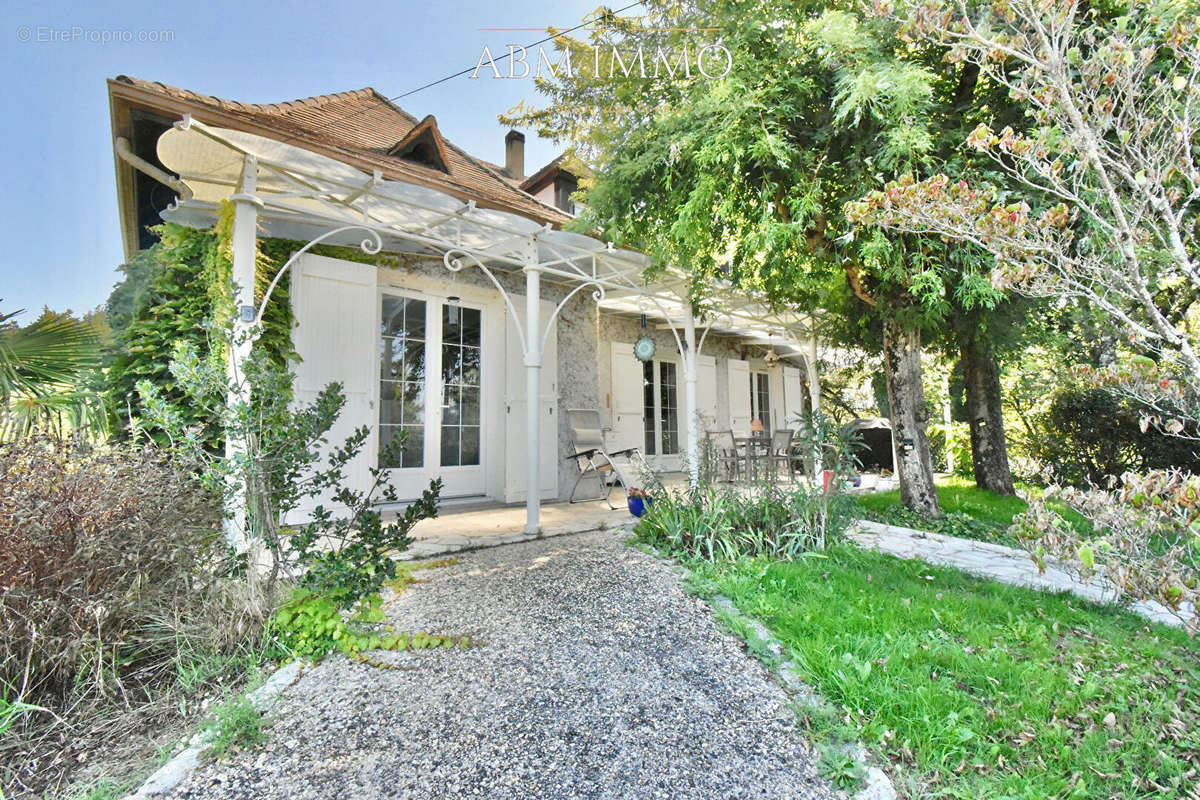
(595, 676)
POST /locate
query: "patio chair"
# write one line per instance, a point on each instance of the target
(781, 452)
(592, 457)
(726, 455)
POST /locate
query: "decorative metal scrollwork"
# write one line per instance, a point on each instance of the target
(453, 259)
(370, 245)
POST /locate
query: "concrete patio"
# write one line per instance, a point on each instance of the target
(470, 525)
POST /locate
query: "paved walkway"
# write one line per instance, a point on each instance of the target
(987, 560)
(594, 676)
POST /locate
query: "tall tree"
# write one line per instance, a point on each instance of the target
(749, 173)
(976, 340)
(1098, 198)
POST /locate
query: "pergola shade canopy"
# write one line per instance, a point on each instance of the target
(291, 192)
(304, 194)
(295, 183)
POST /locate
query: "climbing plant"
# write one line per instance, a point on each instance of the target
(177, 291)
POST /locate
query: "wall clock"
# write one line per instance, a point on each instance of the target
(644, 348)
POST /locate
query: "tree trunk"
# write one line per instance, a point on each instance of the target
(906, 397)
(989, 450)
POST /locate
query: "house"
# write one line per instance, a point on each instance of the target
(446, 348)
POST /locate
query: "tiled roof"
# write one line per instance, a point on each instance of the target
(357, 127)
(539, 179)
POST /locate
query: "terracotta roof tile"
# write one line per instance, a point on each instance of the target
(359, 127)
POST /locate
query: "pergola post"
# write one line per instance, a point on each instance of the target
(244, 246)
(533, 391)
(690, 381)
(814, 384)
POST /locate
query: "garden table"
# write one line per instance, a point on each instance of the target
(757, 450)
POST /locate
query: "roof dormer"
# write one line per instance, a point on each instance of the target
(423, 145)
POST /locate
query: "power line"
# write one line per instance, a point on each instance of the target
(459, 74)
(506, 55)
(371, 106)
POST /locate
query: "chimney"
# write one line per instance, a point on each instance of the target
(514, 154)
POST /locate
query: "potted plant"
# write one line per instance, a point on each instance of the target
(639, 501)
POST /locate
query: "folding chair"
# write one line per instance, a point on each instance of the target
(591, 456)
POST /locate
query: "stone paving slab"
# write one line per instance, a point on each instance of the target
(995, 561)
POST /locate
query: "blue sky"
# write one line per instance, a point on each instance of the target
(59, 205)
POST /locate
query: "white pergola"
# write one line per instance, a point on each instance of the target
(295, 193)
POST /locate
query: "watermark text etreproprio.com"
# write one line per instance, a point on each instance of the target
(81, 34)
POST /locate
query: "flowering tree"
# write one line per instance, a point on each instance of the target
(1097, 200)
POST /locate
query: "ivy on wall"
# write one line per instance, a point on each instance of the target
(166, 296)
(181, 290)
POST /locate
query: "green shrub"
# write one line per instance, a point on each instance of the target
(236, 725)
(722, 524)
(344, 556)
(349, 558)
(1089, 435)
(781, 521)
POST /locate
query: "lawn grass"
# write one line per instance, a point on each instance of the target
(969, 511)
(978, 689)
(958, 495)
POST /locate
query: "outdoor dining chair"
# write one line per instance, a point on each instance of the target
(726, 454)
(590, 455)
(782, 452)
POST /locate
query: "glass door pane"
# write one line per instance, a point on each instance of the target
(402, 382)
(760, 398)
(648, 415)
(461, 361)
(668, 395)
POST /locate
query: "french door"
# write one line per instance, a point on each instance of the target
(431, 393)
(760, 399)
(661, 413)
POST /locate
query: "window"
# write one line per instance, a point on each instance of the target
(760, 398)
(460, 385)
(402, 381)
(563, 189)
(422, 145)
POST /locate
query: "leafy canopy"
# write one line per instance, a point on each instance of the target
(747, 175)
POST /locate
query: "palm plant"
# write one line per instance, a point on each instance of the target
(43, 366)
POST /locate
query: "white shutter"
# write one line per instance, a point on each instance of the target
(515, 402)
(335, 304)
(706, 393)
(627, 399)
(739, 396)
(793, 397)
(775, 398)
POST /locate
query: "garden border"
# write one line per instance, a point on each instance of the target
(759, 640)
(167, 777)
(877, 784)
